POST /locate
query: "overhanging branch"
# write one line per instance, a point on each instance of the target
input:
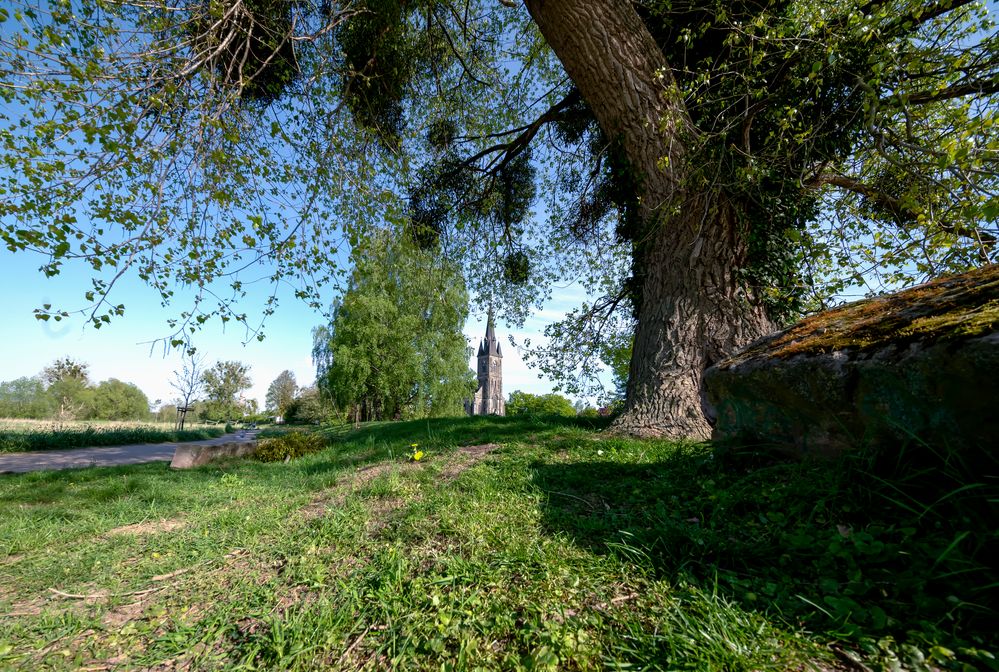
(928, 12)
(903, 213)
(509, 150)
(979, 87)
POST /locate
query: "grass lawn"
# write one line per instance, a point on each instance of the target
(513, 544)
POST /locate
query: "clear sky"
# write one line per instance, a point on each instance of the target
(129, 349)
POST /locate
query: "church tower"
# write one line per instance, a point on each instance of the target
(488, 399)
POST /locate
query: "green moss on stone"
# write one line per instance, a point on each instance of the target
(954, 307)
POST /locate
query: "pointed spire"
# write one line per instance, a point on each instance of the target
(490, 331)
(491, 342)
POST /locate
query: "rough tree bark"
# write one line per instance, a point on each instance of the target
(693, 309)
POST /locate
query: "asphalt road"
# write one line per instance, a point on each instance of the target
(77, 458)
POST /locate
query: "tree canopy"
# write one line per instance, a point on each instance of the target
(525, 403)
(395, 347)
(114, 400)
(66, 369)
(63, 391)
(224, 384)
(712, 168)
(308, 407)
(282, 392)
(24, 398)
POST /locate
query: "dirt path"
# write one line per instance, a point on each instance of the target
(76, 458)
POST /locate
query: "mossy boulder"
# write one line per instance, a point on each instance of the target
(921, 364)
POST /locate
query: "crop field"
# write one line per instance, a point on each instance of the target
(18, 435)
(23, 425)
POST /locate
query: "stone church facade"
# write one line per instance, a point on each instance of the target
(488, 399)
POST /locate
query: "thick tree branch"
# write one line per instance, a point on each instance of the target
(511, 149)
(928, 13)
(890, 203)
(979, 87)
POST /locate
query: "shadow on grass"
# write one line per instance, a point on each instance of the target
(832, 546)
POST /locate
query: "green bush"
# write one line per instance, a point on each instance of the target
(307, 408)
(289, 445)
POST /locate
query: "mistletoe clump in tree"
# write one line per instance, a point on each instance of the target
(745, 159)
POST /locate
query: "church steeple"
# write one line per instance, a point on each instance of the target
(488, 399)
(491, 344)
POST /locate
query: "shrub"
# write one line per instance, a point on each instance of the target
(274, 431)
(289, 445)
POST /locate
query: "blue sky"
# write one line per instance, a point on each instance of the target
(129, 348)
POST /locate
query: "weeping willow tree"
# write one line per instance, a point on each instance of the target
(714, 168)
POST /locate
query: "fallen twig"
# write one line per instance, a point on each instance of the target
(350, 648)
(161, 577)
(566, 494)
(94, 596)
(849, 660)
(624, 598)
(603, 606)
(170, 575)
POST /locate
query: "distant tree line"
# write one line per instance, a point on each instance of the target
(63, 391)
(216, 394)
(525, 403)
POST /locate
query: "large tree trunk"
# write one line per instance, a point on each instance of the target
(688, 248)
(694, 311)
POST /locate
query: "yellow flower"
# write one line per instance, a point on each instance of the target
(417, 455)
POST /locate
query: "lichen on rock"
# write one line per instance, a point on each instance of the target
(921, 364)
(954, 307)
